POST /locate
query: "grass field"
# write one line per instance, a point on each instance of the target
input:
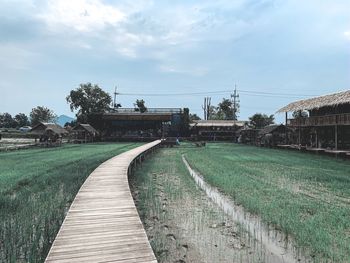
(36, 189)
(182, 223)
(307, 196)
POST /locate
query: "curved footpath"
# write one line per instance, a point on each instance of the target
(102, 224)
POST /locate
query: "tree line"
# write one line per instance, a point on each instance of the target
(225, 111)
(87, 99)
(90, 99)
(38, 114)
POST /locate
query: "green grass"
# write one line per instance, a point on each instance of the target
(36, 189)
(168, 196)
(307, 196)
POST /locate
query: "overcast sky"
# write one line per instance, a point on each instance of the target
(48, 48)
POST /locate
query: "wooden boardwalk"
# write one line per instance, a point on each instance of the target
(102, 224)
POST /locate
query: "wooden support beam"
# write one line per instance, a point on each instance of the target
(336, 136)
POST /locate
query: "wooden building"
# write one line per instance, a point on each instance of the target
(126, 124)
(216, 130)
(272, 135)
(49, 133)
(83, 133)
(326, 124)
(247, 135)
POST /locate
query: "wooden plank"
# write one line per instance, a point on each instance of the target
(102, 224)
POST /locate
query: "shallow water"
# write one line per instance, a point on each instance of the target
(279, 248)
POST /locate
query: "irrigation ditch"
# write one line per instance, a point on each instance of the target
(187, 220)
(279, 247)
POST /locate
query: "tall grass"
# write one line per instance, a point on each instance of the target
(306, 196)
(36, 189)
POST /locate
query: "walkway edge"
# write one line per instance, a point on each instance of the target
(102, 224)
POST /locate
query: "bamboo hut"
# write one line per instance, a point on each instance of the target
(272, 135)
(49, 133)
(83, 133)
(247, 135)
(327, 123)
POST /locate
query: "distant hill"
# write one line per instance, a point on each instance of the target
(63, 119)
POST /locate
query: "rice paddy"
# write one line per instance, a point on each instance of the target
(182, 224)
(37, 187)
(306, 196)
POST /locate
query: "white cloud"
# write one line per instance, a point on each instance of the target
(175, 31)
(81, 15)
(347, 34)
(187, 70)
(131, 28)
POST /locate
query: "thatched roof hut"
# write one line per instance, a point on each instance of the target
(331, 100)
(272, 135)
(43, 127)
(279, 128)
(87, 128)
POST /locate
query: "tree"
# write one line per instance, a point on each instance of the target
(21, 120)
(194, 117)
(213, 113)
(73, 123)
(88, 99)
(225, 109)
(6, 121)
(300, 114)
(42, 114)
(185, 122)
(259, 120)
(140, 106)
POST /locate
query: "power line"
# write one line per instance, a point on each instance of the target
(274, 93)
(276, 96)
(221, 92)
(176, 94)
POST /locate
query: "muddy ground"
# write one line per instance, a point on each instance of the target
(182, 223)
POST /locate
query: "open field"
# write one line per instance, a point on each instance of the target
(36, 189)
(182, 223)
(306, 196)
(13, 143)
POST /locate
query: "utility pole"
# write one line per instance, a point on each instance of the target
(235, 97)
(206, 107)
(115, 98)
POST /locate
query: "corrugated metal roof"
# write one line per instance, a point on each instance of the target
(219, 123)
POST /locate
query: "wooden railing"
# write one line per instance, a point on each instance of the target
(326, 120)
(149, 111)
(102, 224)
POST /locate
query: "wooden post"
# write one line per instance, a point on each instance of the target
(299, 121)
(336, 137)
(286, 133)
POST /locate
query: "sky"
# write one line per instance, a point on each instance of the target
(275, 51)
